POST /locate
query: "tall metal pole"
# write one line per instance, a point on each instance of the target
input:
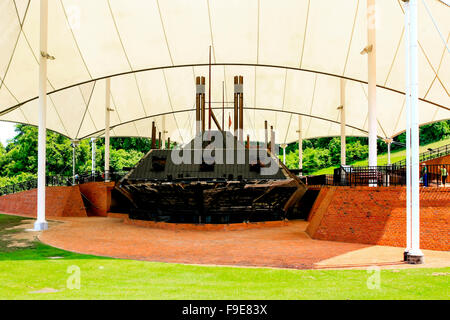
(300, 144)
(198, 120)
(159, 140)
(74, 160)
(389, 152)
(107, 125)
(163, 142)
(388, 174)
(153, 142)
(41, 223)
(73, 163)
(241, 109)
(93, 156)
(209, 92)
(372, 83)
(223, 105)
(284, 152)
(272, 140)
(236, 104)
(202, 104)
(266, 138)
(408, 130)
(343, 122)
(415, 255)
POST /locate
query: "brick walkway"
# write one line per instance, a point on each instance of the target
(280, 247)
(283, 247)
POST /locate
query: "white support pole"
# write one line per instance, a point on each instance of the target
(408, 129)
(389, 152)
(266, 134)
(343, 123)
(300, 144)
(163, 133)
(372, 82)
(284, 152)
(272, 140)
(93, 157)
(41, 223)
(107, 125)
(74, 160)
(388, 141)
(415, 255)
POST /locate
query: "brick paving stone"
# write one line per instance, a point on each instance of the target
(281, 247)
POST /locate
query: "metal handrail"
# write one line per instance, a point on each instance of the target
(32, 184)
(393, 175)
(429, 155)
(59, 181)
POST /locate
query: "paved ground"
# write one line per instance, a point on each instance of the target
(281, 247)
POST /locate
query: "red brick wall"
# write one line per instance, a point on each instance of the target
(99, 196)
(378, 216)
(322, 194)
(60, 202)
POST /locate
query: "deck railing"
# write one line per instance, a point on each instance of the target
(60, 181)
(429, 155)
(381, 176)
(32, 184)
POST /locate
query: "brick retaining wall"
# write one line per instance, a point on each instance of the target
(99, 196)
(60, 202)
(378, 216)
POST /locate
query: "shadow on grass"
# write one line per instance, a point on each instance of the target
(40, 251)
(26, 249)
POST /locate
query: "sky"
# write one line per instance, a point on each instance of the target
(6, 131)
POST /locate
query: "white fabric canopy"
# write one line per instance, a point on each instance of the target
(291, 53)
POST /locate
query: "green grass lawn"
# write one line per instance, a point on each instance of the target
(26, 270)
(382, 158)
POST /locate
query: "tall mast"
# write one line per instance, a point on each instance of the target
(209, 91)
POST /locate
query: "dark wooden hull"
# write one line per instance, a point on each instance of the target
(211, 202)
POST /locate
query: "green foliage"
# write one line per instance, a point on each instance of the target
(18, 160)
(122, 158)
(356, 151)
(138, 144)
(434, 132)
(315, 158)
(325, 152)
(21, 177)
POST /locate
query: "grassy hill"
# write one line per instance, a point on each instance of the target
(382, 158)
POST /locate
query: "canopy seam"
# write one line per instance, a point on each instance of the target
(164, 32)
(170, 103)
(438, 70)
(304, 35)
(219, 64)
(227, 108)
(312, 103)
(15, 45)
(126, 56)
(351, 38)
(75, 40)
(86, 109)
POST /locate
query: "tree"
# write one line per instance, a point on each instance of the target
(18, 159)
(20, 155)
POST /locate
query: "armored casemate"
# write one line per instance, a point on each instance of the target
(215, 178)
